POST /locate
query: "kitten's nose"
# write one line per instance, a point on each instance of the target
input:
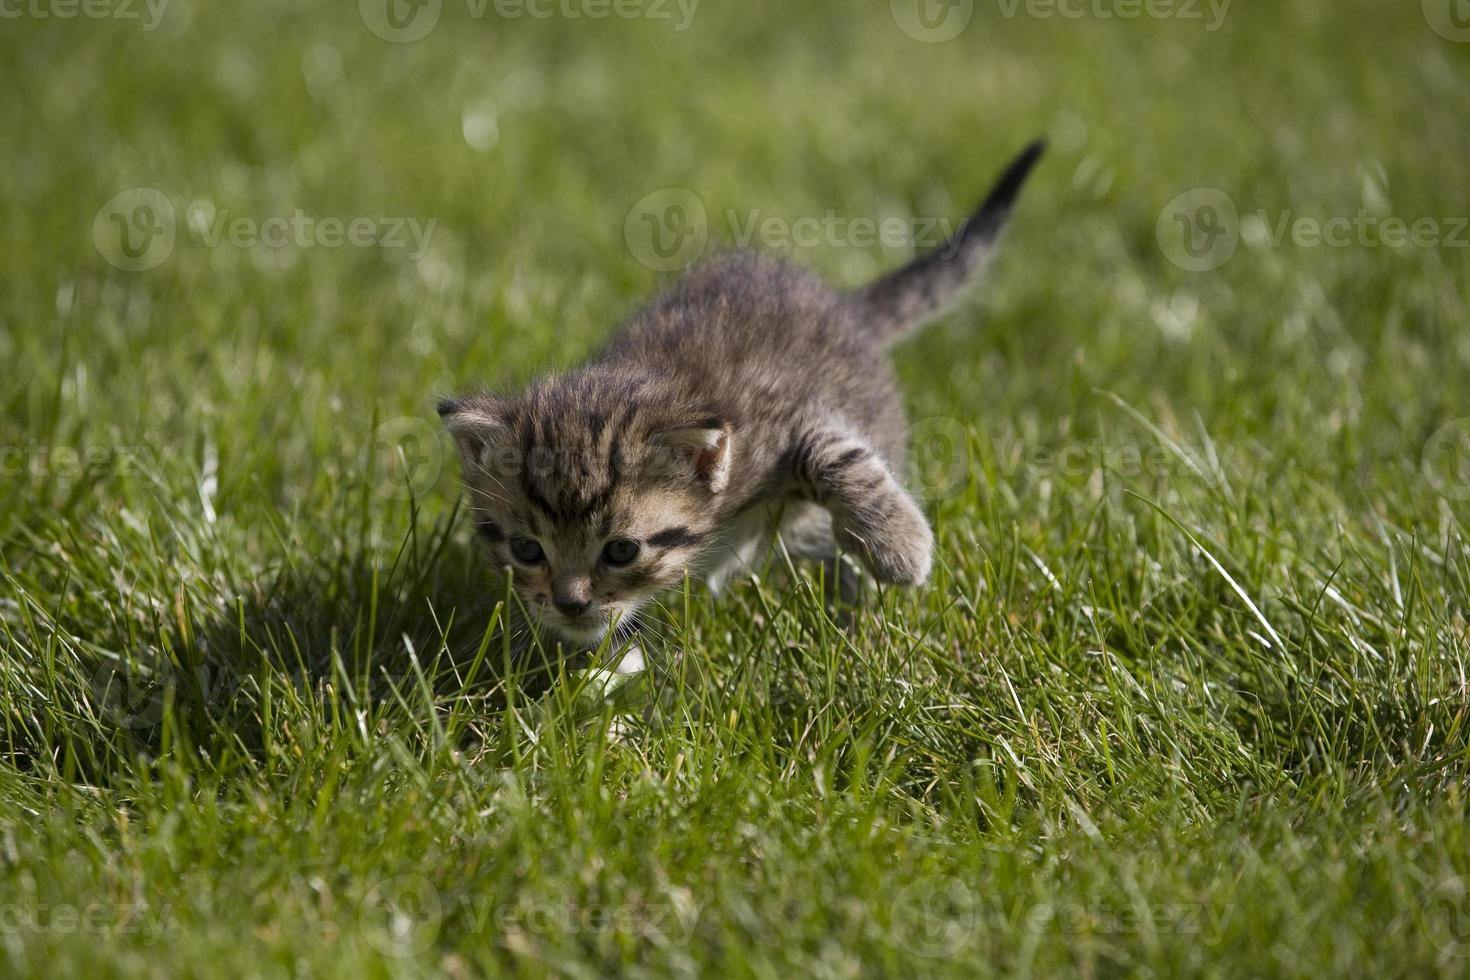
(572, 597)
(572, 607)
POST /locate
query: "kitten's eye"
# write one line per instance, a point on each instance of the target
(527, 551)
(620, 552)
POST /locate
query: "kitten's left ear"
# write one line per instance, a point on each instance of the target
(705, 448)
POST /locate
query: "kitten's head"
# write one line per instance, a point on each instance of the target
(595, 492)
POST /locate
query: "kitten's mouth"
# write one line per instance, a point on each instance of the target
(583, 629)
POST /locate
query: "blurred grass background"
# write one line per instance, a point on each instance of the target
(1085, 714)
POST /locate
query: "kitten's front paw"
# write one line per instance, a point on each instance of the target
(900, 551)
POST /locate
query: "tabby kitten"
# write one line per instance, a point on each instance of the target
(751, 399)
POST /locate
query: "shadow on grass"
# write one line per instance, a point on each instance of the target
(345, 642)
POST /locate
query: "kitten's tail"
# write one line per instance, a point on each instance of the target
(905, 300)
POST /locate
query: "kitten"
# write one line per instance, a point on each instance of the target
(750, 399)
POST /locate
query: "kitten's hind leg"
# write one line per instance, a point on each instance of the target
(844, 581)
(806, 531)
(873, 516)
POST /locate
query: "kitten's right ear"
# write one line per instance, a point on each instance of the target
(703, 448)
(477, 428)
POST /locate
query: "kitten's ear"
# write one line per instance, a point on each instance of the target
(704, 448)
(477, 427)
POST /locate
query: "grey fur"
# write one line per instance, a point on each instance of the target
(750, 398)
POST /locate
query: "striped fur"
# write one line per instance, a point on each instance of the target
(750, 398)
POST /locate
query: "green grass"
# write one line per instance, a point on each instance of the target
(1187, 693)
